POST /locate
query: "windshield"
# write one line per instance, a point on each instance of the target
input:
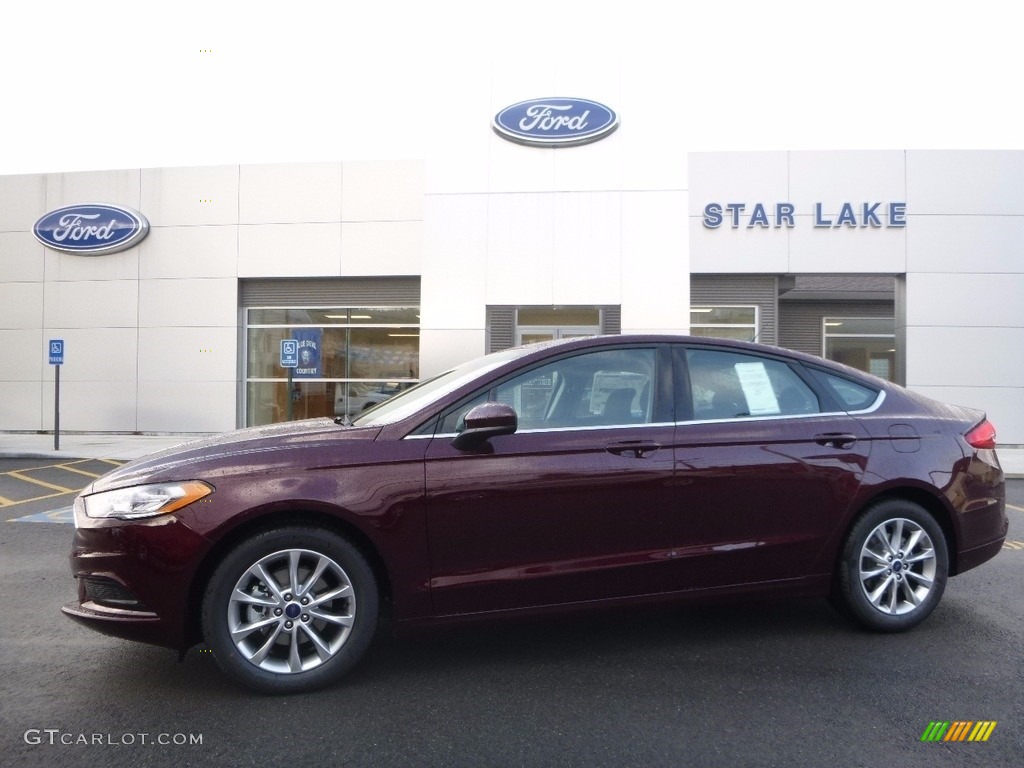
(406, 403)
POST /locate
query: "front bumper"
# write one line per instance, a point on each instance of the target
(134, 578)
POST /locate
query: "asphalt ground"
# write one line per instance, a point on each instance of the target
(785, 683)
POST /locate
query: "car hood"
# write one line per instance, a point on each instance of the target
(252, 446)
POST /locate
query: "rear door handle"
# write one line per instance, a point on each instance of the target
(638, 448)
(836, 439)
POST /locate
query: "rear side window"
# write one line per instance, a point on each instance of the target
(850, 394)
(729, 385)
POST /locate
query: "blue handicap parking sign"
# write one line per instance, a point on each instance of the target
(289, 353)
(56, 351)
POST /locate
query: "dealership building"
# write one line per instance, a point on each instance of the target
(907, 264)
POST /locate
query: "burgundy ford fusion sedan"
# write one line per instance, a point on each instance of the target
(584, 473)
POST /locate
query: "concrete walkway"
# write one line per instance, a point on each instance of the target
(116, 446)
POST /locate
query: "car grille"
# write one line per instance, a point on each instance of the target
(108, 592)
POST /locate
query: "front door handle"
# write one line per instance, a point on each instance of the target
(638, 448)
(836, 439)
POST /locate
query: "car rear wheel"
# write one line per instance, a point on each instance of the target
(893, 567)
(290, 610)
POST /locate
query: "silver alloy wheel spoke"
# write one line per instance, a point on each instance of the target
(291, 611)
(901, 580)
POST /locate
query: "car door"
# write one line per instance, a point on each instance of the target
(569, 508)
(766, 467)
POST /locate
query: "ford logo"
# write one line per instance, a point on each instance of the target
(555, 122)
(91, 229)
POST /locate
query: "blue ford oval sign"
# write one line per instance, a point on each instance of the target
(555, 122)
(91, 229)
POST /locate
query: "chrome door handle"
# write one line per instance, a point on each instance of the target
(636, 447)
(836, 439)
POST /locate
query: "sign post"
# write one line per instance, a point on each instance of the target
(289, 361)
(56, 360)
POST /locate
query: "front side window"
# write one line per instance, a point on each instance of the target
(594, 389)
(729, 385)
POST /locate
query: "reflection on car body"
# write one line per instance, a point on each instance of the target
(571, 474)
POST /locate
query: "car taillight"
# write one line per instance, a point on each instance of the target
(982, 436)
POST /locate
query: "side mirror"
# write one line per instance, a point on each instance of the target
(485, 421)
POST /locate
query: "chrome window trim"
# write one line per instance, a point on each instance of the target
(592, 428)
(870, 409)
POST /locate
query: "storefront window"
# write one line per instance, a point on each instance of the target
(866, 343)
(349, 359)
(738, 323)
(534, 324)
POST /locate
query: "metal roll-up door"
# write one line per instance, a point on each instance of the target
(330, 292)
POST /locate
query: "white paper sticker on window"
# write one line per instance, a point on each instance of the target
(757, 388)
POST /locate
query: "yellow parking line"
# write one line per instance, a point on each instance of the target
(38, 498)
(51, 486)
(5, 502)
(69, 468)
(111, 461)
(1019, 509)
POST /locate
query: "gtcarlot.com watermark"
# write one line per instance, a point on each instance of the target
(57, 737)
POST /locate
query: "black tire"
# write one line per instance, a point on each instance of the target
(893, 567)
(279, 653)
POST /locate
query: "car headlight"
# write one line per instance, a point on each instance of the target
(142, 501)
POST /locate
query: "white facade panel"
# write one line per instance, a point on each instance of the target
(513, 168)
(382, 191)
(652, 117)
(69, 267)
(586, 263)
(202, 406)
(91, 304)
(21, 305)
(520, 249)
(834, 178)
(960, 301)
(287, 250)
(454, 283)
(952, 356)
(184, 354)
(24, 202)
(299, 192)
(958, 183)
(113, 187)
(739, 251)
(863, 250)
(21, 406)
(381, 248)
(24, 355)
(189, 252)
(190, 196)
(204, 302)
(966, 244)
(21, 257)
(655, 274)
(89, 406)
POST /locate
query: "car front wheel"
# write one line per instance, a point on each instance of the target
(290, 610)
(893, 568)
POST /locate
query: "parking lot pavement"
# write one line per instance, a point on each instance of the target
(32, 489)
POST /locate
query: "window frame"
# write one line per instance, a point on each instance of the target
(755, 327)
(662, 401)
